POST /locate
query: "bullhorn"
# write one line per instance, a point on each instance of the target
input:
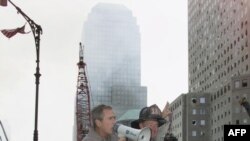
(133, 134)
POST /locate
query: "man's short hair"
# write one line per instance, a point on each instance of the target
(97, 113)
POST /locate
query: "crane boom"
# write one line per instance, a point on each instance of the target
(82, 99)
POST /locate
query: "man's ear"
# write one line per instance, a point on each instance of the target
(98, 123)
(140, 125)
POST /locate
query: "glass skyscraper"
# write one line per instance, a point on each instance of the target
(111, 38)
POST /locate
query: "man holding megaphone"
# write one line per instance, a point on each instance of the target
(103, 121)
(149, 117)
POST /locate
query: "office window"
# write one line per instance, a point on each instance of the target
(237, 84)
(202, 111)
(202, 133)
(194, 100)
(203, 122)
(237, 110)
(193, 133)
(237, 121)
(194, 122)
(202, 100)
(194, 112)
(244, 83)
(244, 120)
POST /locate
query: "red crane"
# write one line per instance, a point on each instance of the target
(82, 99)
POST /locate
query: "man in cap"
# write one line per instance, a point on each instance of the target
(149, 117)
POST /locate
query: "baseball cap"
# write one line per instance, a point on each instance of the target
(149, 113)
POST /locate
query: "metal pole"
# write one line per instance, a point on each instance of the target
(37, 31)
(3, 131)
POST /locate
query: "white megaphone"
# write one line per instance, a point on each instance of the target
(133, 134)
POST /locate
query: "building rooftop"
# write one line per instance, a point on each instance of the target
(131, 114)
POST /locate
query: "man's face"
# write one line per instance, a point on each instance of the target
(109, 119)
(153, 125)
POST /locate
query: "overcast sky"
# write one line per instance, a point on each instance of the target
(163, 27)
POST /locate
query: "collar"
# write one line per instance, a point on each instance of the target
(93, 133)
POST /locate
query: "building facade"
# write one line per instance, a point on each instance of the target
(218, 48)
(111, 38)
(191, 117)
(240, 90)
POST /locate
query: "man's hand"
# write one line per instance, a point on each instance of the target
(166, 111)
(121, 137)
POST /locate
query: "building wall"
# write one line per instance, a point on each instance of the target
(190, 119)
(218, 42)
(218, 48)
(197, 116)
(179, 111)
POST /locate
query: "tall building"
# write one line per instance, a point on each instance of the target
(111, 38)
(219, 53)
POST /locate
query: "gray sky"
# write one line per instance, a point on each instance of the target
(163, 27)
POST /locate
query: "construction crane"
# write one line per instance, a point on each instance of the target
(82, 99)
(243, 102)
